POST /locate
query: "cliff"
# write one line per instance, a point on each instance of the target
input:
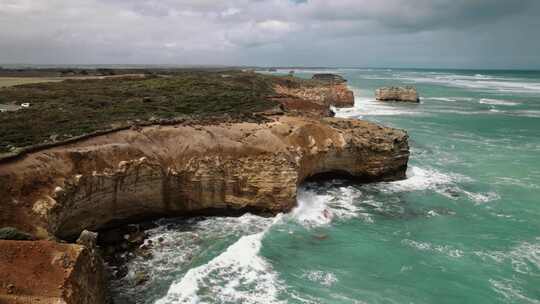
(406, 94)
(49, 272)
(324, 93)
(182, 170)
(253, 161)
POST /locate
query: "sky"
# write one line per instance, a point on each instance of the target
(347, 33)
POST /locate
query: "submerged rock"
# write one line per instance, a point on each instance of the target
(406, 94)
(327, 77)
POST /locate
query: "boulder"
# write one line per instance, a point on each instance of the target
(405, 94)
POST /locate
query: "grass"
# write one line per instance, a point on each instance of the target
(13, 81)
(70, 108)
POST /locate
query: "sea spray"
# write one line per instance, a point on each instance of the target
(238, 275)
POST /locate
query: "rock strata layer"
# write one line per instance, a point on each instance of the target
(406, 94)
(48, 272)
(325, 94)
(183, 170)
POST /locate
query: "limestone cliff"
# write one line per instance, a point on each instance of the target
(182, 170)
(406, 94)
(49, 272)
(326, 94)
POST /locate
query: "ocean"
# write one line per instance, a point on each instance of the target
(464, 227)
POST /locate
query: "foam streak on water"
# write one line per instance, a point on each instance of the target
(238, 275)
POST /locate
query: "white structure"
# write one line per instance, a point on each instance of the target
(25, 105)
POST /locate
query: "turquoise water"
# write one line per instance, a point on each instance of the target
(463, 228)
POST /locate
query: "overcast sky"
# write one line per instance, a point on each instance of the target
(380, 33)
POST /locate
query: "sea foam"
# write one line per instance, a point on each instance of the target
(498, 102)
(238, 275)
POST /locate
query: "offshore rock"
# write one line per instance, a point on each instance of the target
(188, 170)
(405, 94)
(327, 77)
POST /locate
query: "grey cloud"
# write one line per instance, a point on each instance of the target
(479, 33)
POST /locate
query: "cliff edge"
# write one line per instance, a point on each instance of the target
(250, 162)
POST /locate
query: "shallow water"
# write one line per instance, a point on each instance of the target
(463, 228)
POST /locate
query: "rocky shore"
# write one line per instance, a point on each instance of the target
(179, 169)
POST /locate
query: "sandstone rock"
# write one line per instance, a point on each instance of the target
(331, 94)
(185, 170)
(406, 94)
(49, 272)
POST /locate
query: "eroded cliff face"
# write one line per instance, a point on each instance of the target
(49, 272)
(183, 170)
(326, 94)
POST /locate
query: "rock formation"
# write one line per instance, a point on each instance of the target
(183, 168)
(327, 77)
(325, 94)
(406, 94)
(49, 272)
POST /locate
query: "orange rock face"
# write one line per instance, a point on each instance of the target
(182, 170)
(49, 272)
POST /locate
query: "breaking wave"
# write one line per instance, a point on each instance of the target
(238, 275)
(498, 102)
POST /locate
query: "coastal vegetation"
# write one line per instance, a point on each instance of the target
(71, 108)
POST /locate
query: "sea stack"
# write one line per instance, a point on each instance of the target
(404, 94)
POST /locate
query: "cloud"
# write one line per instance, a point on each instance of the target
(265, 32)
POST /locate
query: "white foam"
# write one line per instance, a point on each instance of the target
(238, 275)
(527, 113)
(324, 278)
(425, 246)
(477, 82)
(368, 106)
(317, 210)
(442, 99)
(422, 179)
(511, 293)
(524, 257)
(482, 197)
(498, 102)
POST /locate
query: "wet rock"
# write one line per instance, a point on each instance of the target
(140, 278)
(327, 77)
